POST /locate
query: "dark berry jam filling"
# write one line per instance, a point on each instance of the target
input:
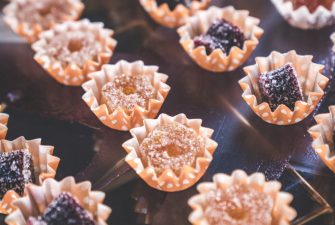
(63, 210)
(220, 35)
(280, 86)
(16, 170)
(173, 3)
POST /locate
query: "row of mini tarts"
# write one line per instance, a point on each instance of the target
(64, 30)
(73, 74)
(309, 76)
(301, 17)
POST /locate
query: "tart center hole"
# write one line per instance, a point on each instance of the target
(173, 151)
(44, 11)
(128, 89)
(237, 213)
(75, 45)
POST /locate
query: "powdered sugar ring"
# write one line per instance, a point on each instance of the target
(281, 214)
(309, 75)
(168, 180)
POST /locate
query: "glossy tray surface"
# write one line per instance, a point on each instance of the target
(40, 107)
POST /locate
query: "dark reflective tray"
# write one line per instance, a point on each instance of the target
(40, 107)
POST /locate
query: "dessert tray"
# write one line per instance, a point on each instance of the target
(74, 121)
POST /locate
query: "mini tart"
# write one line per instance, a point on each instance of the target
(3, 125)
(175, 18)
(29, 18)
(218, 61)
(168, 180)
(322, 135)
(71, 50)
(45, 164)
(38, 198)
(118, 119)
(304, 19)
(281, 213)
(309, 77)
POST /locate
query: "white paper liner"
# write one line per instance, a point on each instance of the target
(38, 198)
(45, 164)
(119, 119)
(322, 135)
(282, 213)
(3, 125)
(309, 76)
(71, 73)
(172, 18)
(302, 18)
(168, 181)
(218, 61)
(31, 31)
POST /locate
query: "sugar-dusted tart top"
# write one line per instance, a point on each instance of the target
(312, 5)
(280, 86)
(220, 35)
(63, 210)
(237, 205)
(127, 91)
(74, 47)
(16, 170)
(171, 146)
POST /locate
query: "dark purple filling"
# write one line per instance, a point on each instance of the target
(280, 86)
(173, 3)
(63, 210)
(16, 170)
(220, 35)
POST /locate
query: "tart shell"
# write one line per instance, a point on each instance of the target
(282, 213)
(218, 61)
(172, 18)
(309, 76)
(31, 31)
(3, 125)
(45, 164)
(73, 74)
(168, 181)
(118, 119)
(39, 197)
(302, 18)
(322, 135)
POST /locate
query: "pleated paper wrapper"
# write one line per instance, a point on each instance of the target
(168, 181)
(163, 15)
(309, 76)
(38, 198)
(302, 18)
(3, 125)
(322, 135)
(72, 74)
(282, 213)
(31, 31)
(218, 61)
(118, 119)
(45, 165)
